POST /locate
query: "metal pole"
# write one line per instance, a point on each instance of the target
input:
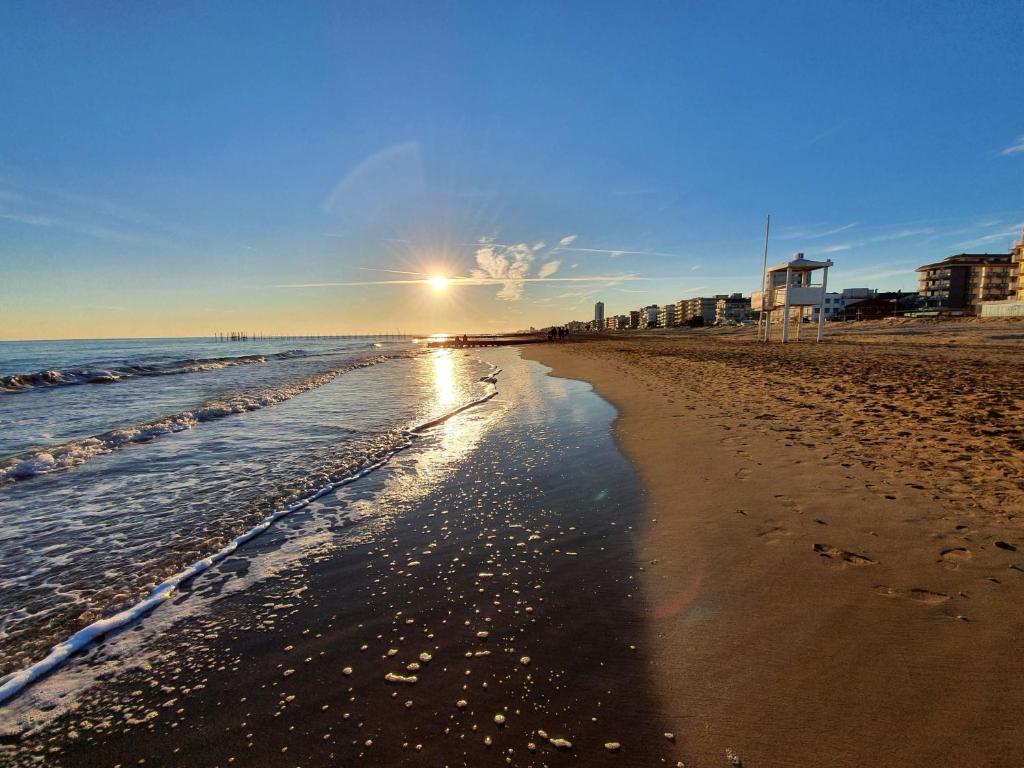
(821, 309)
(764, 274)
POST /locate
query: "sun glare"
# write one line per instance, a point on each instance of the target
(438, 283)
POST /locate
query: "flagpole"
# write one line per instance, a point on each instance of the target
(764, 276)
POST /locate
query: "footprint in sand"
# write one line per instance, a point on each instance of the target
(841, 555)
(770, 532)
(744, 473)
(917, 594)
(788, 502)
(952, 557)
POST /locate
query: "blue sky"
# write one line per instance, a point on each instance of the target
(168, 170)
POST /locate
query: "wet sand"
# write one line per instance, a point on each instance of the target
(495, 618)
(834, 538)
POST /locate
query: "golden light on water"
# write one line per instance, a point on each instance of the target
(444, 378)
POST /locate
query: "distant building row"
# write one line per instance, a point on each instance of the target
(732, 309)
(702, 310)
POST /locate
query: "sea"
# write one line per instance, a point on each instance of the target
(129, 466)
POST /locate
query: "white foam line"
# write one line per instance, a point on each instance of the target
(16, 682)
(76, 452)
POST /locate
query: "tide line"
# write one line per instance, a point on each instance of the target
(16, 682)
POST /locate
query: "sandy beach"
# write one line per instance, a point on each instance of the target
(761, 555)
(833, 539)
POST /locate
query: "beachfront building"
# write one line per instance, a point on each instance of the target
(616, 323)
(704, 307)
(1013, 305)
(681, 317)
(853, 295)
(634, 318)
(789, 292)
(1017, 272)
(734, 308)
(649, 316)
(599, 315)
(888, 304)
(960, 284)
(667, 316)
(833, 306)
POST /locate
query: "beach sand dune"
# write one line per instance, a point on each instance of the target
(834, 547)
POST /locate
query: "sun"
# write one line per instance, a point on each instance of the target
(438, 283)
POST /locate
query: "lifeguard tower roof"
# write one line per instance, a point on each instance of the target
(800, 264)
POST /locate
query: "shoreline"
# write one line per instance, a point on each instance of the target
(815, 599)
(13, 683)
(447, 629)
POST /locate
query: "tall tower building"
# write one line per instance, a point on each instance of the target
(599, 315)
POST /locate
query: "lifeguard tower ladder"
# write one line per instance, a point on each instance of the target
(786, 287)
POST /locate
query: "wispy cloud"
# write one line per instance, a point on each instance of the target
(565, 244)
(873, 272)
(32, 219)
(901, 234)
(85, 215)
(548, 269)
(1005, 235)
(508, 264)
(812, 231)
(824, 134)
(615, 252)
(474, 280)
(836, 248)
(1013, 149)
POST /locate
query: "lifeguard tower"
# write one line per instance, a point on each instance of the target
(787, 287)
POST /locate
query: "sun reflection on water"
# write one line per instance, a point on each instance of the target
(444, 378)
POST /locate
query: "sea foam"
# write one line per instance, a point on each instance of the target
(108, 374)
(76, 452)
(15, 682)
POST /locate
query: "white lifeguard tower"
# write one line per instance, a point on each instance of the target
(786, 287)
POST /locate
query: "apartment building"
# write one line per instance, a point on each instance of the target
(703, 306)
(667, 316)
(1017, 269)
(733, 309)
(649, 316)
(961, 283)
(616, 323)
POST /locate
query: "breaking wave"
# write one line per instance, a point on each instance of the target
(76, 452)
(109, 374)
(15, 682)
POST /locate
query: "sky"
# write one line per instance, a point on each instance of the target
(187, 168)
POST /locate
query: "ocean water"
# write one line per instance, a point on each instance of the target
(122, 463)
